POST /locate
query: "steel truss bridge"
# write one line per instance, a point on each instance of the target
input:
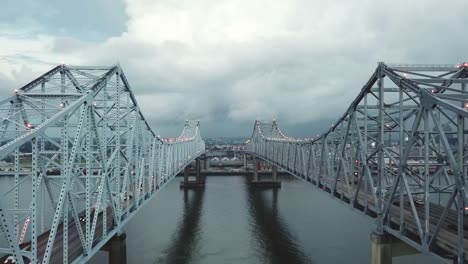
(398, 154)
(81, 161)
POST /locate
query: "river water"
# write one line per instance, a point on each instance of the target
(228, 222)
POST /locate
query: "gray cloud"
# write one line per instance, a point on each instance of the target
(84, 19)
(9, 83)
(230, 62)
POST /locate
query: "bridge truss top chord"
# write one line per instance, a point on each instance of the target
(398, 154)
(78, 160)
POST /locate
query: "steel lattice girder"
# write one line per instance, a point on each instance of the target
(83, 160)
(398, 154)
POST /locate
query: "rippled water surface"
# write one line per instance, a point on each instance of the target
(228, 222)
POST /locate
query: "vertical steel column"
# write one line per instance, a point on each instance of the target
(105, 159)
(88, 175)
(40, 160)
(152, 165)
(309, 162)
(401, 153)
(381, 146)
(322, 162)
(426, 178)
(64, 158)
(161, 164)
(365, 149)
(17, 168)
(459, 183)
(34, 173)
(118, 165)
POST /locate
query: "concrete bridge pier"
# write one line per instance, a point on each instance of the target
(199, 181)
(274, 173)
(256, 182)
(186, 174)
(117, 248)
(255, 169)
(199, 176)
(205, 163)
(385, 246)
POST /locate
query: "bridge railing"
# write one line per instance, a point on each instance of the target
(398, 154)
(77, 161)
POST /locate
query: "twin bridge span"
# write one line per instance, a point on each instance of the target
(79, 160)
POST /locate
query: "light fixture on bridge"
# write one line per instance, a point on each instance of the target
(465, 105)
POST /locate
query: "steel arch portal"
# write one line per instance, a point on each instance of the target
(398, 154)
(78, 161)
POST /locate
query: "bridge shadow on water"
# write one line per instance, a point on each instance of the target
(185, 241)
(270, 231)
(274, 243)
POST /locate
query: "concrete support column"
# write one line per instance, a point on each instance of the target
(255, 167)
(245, 161)
(381, 249)
(186, 174)
(386, 246)
(118, 249)
(197, 167)
(274, 172)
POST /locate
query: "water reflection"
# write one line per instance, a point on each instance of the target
(185, 240)
(271, 233)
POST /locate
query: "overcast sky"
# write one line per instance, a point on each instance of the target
(229, 62)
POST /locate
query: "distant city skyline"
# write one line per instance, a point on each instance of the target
(228, 62)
